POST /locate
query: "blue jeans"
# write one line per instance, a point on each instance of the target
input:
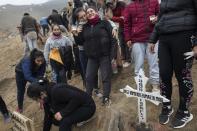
(140, 51)
(21, 84)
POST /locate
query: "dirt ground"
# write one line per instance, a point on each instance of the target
(120, 116)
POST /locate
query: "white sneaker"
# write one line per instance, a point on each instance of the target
(97, 93)
(126, 64)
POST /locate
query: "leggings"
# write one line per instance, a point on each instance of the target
(3, 107)
(171, 49)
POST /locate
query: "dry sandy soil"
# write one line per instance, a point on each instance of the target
(121, 116)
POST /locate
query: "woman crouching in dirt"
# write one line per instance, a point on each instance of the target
(64, 105)
(29, 69)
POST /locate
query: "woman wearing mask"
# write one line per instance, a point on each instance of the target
(52, 53)
(29, 69)
(177, 24)
(64, 105)
(97, 39)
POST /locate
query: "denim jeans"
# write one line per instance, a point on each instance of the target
(104, 64)
(138, 54)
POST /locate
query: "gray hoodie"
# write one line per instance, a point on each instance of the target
(55, 43)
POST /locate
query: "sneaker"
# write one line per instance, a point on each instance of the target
(7, 118)
(165, 114)
(97, 93)
(106, 102)
(181, 119)
(126, 64)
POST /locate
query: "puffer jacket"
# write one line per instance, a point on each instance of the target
(175, 16)
(137, 24)
(97, 40)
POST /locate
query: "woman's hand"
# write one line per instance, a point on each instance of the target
(79, 29)
(114, 32)
(195, 51)
(58, 116)
(151, 48)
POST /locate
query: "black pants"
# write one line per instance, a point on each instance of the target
(3, 107)
(83, 113)
(21, 84)
(124, 48)
(104, 64)
(171, 49)
(60, 71)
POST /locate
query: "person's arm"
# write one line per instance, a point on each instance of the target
(47, 50)
(195, 35)
(22, 27)
(26, 67)
(42, 70)
(63, 94)
(113, 41)
(119, 19)
(127, 24)
(47, 117)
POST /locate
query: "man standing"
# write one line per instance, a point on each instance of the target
(44, 25)
(139, 19)
(29, 30)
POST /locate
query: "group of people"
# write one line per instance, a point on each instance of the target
(105, 33)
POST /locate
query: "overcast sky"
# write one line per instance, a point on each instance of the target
(22, 2)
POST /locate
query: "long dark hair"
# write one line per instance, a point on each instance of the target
(33, 55)
(76, 13)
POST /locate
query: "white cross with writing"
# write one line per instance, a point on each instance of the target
(142, 95)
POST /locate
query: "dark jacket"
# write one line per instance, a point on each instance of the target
(24, 67)
(28, 24)
(64, 99)
(97, 40)
(175, 16)
(137, 24)
(55, 18)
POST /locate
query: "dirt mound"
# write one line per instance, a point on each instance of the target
(120, 116)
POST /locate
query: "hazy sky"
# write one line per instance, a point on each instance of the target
(22, 2)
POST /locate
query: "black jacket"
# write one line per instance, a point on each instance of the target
(97, 40)
(64, 99)
(28, 24)
(175, 16)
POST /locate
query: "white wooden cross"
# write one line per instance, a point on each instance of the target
(21, 123)
(142, 95)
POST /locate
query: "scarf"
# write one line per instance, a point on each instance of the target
(94, 21)
(54, 36)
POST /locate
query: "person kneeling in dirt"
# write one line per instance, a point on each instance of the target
(29, 69)
(64, 105)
